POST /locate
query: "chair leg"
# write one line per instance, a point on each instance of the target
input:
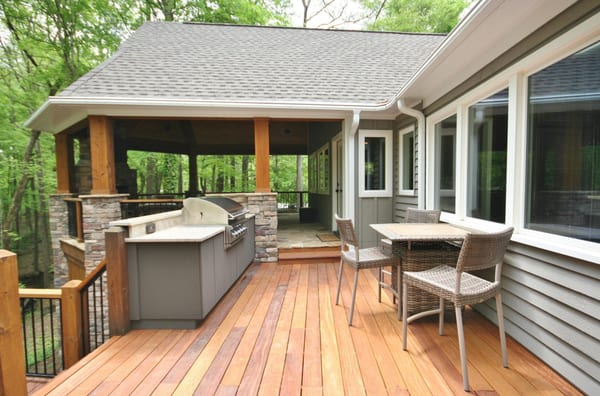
(380, 278)
(441, 317)
(501, 329)
(404, 315)
(461, 343)
(353, 298)
(337, 297)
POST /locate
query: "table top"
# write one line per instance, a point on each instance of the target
(401, 232)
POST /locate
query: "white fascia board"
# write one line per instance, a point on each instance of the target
(58, 113)
(491, 28)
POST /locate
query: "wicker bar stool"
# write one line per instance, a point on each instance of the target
(479, 251)
(358, 259)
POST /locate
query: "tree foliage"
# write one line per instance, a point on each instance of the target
(433, 16)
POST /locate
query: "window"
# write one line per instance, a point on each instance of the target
(323, 155)
(375, 163)
(407, 161)
(563, 140)
(486, 183)
(445, 159)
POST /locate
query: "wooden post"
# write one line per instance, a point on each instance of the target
(12, 354)
(261, 151)
(72, 331)
(64, 162)
(118, 281)
(102, 155)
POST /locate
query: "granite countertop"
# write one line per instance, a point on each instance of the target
(180, 233)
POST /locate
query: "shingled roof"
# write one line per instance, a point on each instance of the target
(251, 64)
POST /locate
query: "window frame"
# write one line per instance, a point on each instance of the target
(515, 78)
(402, 163)
(388, 167)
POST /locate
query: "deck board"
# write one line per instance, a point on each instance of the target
(279, 331)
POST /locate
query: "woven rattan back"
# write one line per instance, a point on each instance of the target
(347, 234)
(414, 215)
(481, 251)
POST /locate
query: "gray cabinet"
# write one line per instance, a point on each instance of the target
(176, 284)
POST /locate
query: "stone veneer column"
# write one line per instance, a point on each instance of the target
(59, 229)
(264, 207)
(97, 212)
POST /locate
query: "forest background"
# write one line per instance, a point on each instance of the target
(45, 45)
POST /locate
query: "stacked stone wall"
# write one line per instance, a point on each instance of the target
(59, 229)
(264, 207)
(97, 212)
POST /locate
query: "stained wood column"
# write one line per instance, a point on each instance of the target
(261, 154)
(102, 155)
(12, 359)
(64, 162)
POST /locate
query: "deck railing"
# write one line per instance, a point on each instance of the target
(42, 335)
(292, 200)
(60, 326)
(150, 204)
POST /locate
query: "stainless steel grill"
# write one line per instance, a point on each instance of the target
(218, 210)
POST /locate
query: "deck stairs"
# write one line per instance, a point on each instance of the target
(308, 255)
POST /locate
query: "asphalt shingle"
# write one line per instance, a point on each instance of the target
(247, 64)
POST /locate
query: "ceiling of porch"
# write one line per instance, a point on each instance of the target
(205, 137)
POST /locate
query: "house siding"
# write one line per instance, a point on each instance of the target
(550, 301)
(370, 210)
(551, 307)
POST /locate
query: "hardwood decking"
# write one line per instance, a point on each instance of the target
(278, 331)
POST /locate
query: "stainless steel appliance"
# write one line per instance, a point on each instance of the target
(218, 210)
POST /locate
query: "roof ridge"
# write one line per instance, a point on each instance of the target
(299, 28)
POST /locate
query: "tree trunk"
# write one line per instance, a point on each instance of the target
(15, 205)
(45, 248)
(245, 173)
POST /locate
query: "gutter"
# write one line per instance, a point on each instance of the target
(404, 108)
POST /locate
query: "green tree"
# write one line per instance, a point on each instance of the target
(433, 16)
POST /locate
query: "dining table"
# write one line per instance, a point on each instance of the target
(420, 246)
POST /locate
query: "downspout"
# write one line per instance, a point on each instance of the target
(350, 166)
(421, 144)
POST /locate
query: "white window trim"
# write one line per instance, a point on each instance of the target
(402, 163)
(388, 191)
(515, 77)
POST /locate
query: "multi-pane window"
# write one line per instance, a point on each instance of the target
(486, 180)
(445, 172)
(375, 163)
(563, 169)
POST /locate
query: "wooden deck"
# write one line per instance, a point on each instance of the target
(278, 331)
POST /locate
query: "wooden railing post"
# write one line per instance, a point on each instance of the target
(118, 281)
(12, 355)
(72, 331)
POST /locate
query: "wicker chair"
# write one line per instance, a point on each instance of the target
(358, 259)
(414, 215)
(479, 251)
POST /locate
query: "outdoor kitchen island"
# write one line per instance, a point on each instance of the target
(179, 273)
